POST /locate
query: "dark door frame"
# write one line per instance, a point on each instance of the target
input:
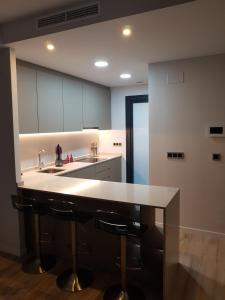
(130, 100)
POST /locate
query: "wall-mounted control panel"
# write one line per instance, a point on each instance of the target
(175, 155)
(216, 131)
(216, 156)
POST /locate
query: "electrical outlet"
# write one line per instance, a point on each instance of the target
(117, 144)
(175, 155)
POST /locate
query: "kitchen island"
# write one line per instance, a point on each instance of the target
(92, 194)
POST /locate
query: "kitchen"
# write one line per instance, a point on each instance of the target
(72, 143)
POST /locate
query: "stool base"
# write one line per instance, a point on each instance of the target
(70, 282)
(116, 293)
(39, 266)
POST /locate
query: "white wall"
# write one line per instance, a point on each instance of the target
(118, 132)
(179, 114)
(77, 143)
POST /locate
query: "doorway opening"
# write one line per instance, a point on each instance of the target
(137, 139)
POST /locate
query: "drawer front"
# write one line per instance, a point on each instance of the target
(105, 178)
(116, 171)
(106, 171)
(87, 173)
(103, 167)
(103, 175)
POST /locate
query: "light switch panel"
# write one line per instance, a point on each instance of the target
(216, 156)
(175, 155)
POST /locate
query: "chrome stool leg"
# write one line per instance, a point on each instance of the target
(74, 280)
(38, 264)
(123, 266)
(123, 291)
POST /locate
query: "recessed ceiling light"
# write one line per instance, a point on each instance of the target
(127, 31)
(125, 76)
(101, 63)
(50, 46)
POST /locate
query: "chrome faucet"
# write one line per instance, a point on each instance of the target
(94, 149)
(40, 162)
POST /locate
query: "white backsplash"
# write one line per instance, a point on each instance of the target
(106, 140)
(76, 143)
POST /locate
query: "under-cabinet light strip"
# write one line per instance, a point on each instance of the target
(57, 133)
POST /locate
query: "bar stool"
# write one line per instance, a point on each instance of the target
(74, 279)
(38, 264)
(117, 224)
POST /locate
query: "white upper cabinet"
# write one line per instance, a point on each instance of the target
(72, 105)
(27, 99)
(50, 104)
(96, 106)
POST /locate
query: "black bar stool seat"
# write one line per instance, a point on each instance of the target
(38, 264)
(74, 279)
(114, 223)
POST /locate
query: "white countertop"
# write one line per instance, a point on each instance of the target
(70, 167)
(154, 196)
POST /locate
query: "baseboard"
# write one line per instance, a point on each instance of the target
(12, 250)
(202, 231)
(10, 256)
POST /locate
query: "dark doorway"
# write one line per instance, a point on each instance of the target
(130, 100)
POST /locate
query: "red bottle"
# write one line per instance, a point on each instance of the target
(71, 158)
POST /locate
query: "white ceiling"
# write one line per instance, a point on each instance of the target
(189, 30)
(11, 10)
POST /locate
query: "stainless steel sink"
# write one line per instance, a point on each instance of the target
(51, 170)
(90, 159)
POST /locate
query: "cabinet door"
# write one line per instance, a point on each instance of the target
(72, 105)
(50, 105)
(116, 171)
(109, 170)
(27, 99)
(96, 107)
(86, 173)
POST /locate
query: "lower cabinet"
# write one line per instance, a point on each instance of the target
(106, 171)
(109, 170)
(87, 173)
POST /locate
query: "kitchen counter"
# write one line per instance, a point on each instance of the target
(95, 194)
(70, 167)
(154, 196)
